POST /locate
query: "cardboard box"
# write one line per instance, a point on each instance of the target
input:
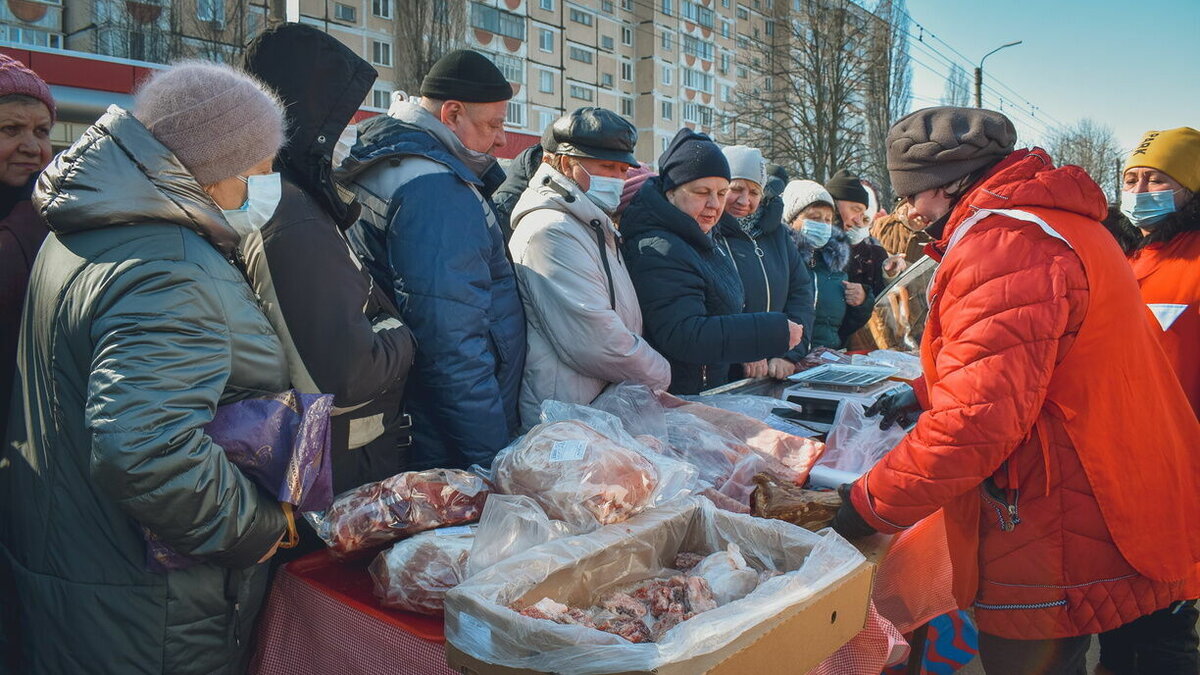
(794, 642)
(794, 631)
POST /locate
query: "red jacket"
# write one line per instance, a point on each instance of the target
(1056, 437)
(1169, 275)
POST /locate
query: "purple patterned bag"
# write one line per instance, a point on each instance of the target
(281, 442)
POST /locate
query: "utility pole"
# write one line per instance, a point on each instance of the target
(979, 72)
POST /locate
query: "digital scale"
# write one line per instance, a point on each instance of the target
(820, 391)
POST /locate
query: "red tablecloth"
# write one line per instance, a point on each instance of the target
(321, 618)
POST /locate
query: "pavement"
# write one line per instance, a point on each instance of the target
(1093, 658)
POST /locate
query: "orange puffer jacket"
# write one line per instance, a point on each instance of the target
(1055, 435)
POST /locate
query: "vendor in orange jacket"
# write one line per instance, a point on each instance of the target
(1069, 477)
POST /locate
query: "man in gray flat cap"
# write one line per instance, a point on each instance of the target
(584, 321)
(1066, 512)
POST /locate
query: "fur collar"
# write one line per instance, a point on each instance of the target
(834, 255)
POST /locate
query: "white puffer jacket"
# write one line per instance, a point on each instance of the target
(581, 310)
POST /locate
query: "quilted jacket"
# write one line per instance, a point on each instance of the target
(1054, 436)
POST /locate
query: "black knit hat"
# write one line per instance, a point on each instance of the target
(846, 187)
(465, 75)
(691, 156)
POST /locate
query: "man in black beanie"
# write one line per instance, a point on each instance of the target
(429, 234)
(866, 255)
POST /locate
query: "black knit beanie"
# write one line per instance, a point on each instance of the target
(846, 187)
(689, 157)
(465, 75)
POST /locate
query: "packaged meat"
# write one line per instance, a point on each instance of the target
(783, 500)
(638, 409)
(712, 451)
(729, 577)
(415, 574)
(367, 517)
(821, 356)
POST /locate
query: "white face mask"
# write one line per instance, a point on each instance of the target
(341, 149)
(263, 193)
(857, 234)
(604, 191)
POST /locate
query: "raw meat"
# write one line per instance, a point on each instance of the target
(686, 560)
(577, 474)
(375, 514)
(415, 574)
(626, 605)
(782, 500)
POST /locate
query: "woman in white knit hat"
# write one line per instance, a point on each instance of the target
(138, 324)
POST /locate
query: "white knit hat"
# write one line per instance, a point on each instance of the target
(800, 194)
(746, 162)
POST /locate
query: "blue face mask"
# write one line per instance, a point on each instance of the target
(817, 233)
(1144, 209)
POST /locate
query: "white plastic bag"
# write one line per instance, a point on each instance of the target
(638, 409)
(855, 442)
(727, 574)
(511, 524)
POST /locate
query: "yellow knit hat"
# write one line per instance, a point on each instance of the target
(1175, 152)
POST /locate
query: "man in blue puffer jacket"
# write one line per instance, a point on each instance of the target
(429, 232)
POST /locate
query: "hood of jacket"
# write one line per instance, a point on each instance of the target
(321, 83)
(834, 255)
(118, 174)
(521, 171)
(550, 189)
(770, 219)
(384, 138)
(1027, 178)
(650, 210)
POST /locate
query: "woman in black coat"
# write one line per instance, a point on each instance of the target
(774, 277)
(688, 287)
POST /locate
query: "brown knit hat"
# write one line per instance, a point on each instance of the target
(936, 146)
(217, 120)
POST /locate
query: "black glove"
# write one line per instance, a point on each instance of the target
(847, 522)
(899, 405)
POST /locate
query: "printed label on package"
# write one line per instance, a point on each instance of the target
(453, 531)
(564, 451)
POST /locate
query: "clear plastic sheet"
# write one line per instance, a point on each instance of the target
(637, 407)
(415, 574)
(908, 366)
(579, 570)
(511, 524)
(855, 442)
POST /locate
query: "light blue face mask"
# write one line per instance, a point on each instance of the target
(816, 232)
(604, 191)
(1144, 209)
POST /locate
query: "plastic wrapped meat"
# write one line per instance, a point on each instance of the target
(577, 474)
(712, 451)
(728, 576)
(415, 574)
(375, 514)
(781, 500)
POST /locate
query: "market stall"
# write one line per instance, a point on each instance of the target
(643, 533)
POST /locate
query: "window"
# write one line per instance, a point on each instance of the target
(755, 33)
(382, 8)
(700, 114)
(695, 79)
(726, 93)
(668, 109)
(381, 53)
(627, 36)
(547, 5)
(606, 6)
(606, 42)
(606, 80)
(545, 40)
(696, 14)
(698, 48)
(214, 11)
(381, 98)
(743, 42)
(340, 12)
(627, 5)
(30, 36)
(627, 107)
(769, 84)
(724, 28)
(725, 62)
(666, 7)
(512, 67)
(742, 73)
(581, 93)
(771, 28)
(496, 21)
(725, 4)
(663, 143)
(545, 119)
(581, 55)
(666, 41)
(582, 17)
(516, 114)
(546, 82)
(666, 75)
(626, 71)
(742, 13)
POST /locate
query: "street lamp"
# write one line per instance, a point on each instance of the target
(979, 72)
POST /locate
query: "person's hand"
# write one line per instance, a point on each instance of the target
(847, 522)
(899, 405)
(755, 369)
(780, 368)
(855, 293)
(795, 334)
(894, 265)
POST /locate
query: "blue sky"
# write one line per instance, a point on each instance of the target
(1130, 65)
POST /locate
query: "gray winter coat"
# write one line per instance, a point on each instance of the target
(583, 321)
(137, 326)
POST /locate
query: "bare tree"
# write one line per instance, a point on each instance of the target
(958, 88)
(425, 31)
(1090, 145)
(889, 87)
(810, 119)
(214, 30)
